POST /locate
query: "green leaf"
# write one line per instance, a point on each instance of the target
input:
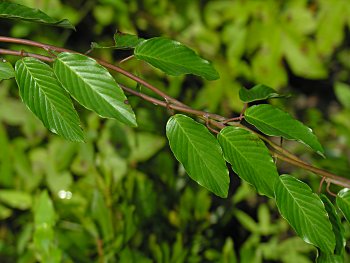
(343, 202)
(6, 70)
(249, 158)
(93, 87)
(258, 92)
(44, 96)
(174, 58)
(126, 41)
(338, 230)
(329, 258)
(342, 91)
(16, 199)
(275, 122)
(199, 152)
(44, 213)
(21, 12)
(305, 212)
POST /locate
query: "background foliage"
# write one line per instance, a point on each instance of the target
(121, 196)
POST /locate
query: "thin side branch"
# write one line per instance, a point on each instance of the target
(211, 120)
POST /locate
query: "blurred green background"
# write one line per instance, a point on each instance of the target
(121, 196)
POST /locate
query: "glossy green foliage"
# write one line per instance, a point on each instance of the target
(126, 41)
(343, 202)
(21, 12)
(199, 152)
(249, 158)
(305, 212)
(6, 70)
(258, 92)
(44, 96)
(93, 87)
(338, 230)
(275, 122)
(174, 58)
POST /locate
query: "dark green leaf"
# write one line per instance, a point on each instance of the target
(21, 12)
(6, 70)
(305, 212)
(44, 96)
(93, 87)
(338, 230)
(199, 152)
(174, 58)
(126, 41)
(343, 202)
(258, 92)
(249, 158)
(275, 122)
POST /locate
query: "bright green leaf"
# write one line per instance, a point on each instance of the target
(258, 92)
(199, 152)
(249, 158)
(338, 231)
(275, 122)
(343, 202)
(305, 212)
(44, 96)
(16, 199)
(21, 12)
(44, 213)
(6, 70)
(126, 41)
(342, 91)
(93, 87)
(174, 58)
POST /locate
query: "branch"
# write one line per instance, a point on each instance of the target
(171, 103)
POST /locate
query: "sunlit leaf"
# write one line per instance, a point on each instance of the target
(343, 202)
(21, 12)
(6, 70)
(305, 212)
(93, 87)
(342, 91)
(44, 96)
(199, 152)
(249, 158)
(174, 58)
(16, 199)
(275, 122)
(258, 92)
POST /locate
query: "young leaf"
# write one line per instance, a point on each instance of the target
(343, 202)
(21, 12)
(337, 227)
(93, 87)
(305, 212)
(126, 41)
(342, 91)
(6, 70)
(43, 95)
(258, 92)
(174, 58)
(199, 152)
(249, 158)
(275, 122)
